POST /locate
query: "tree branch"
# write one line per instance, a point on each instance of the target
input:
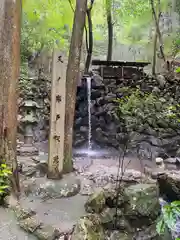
(71, 5)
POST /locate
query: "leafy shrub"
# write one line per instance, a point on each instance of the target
(4, 180)
(178, 70)
(141, 108)
(170, 219)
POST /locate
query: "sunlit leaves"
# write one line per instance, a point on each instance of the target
(4, 174)
(46, 23)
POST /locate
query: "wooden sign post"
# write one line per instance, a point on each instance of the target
(57, 118)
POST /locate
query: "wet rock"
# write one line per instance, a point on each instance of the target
(96, 202)
(22, 213)
(169, 184)
(66, 187)
(107, 217)
(171, 160)
(58, 189)
(28, 186)
(30, 224)
(42, 168)
(114, 197)
(150, 233)
(161, 81)
(47, 232)
(86, 187)
(88, 228)
(143, 203)
(116, 235)
(159, 161)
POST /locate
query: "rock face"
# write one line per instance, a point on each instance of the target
(157, 136)
(134, 217)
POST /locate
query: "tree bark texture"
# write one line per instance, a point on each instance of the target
(158, 30)
(110, 29)
(155, 41)
(89, 38)
(72, 79)
(10, 25)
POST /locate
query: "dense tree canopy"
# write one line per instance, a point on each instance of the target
(48, 23)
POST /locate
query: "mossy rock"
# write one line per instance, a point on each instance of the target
(143, 203)
(96, 202)
(116, 235)
(88, 228)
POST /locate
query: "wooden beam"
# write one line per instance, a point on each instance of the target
(57, 118)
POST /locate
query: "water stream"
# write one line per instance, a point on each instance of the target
(89, 113)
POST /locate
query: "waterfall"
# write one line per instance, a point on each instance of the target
(89, 112)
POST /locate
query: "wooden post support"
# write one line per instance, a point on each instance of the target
(57, 118)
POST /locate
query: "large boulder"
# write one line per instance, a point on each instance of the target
(67, 187)
(88, 228)
(143, 204)
(169, 184)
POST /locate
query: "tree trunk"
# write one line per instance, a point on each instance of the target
(10, 18)
(71, 79)
(110, 29)
(155, 41)
(158, 30)
(89, 42)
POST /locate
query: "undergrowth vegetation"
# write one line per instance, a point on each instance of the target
(4, 180)
(141, 108)
(170, 219)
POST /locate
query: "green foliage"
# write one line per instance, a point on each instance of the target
(168, 218)
(4, 180)
(136, 18)
(178, 70)
(48, 24)
(45, 23)
(140, 108)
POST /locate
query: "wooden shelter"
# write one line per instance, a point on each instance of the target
(118, 69)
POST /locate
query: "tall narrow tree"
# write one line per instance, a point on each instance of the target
(110, 29)
(155, 40)
(158, 30)
(89, 37)
(72, 79)
(10, 18)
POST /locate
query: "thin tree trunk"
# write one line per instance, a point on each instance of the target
(110, 29)
(155, 41)
(89, 42)
(71, 79)
(158, 30)
(154, 54)
(10, 18)
(90, 45)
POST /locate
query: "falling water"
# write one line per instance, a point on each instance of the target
(89, 112)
